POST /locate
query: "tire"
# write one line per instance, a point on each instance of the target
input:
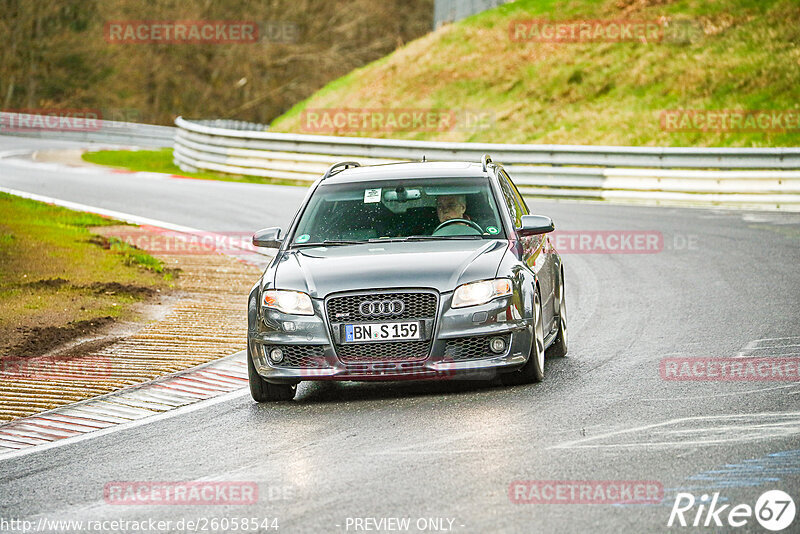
(263, 391)
(533, 370)
(559, 347)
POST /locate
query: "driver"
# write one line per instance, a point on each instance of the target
(450, 207)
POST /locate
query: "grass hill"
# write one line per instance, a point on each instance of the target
(712, 55)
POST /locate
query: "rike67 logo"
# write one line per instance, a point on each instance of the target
(774, 510)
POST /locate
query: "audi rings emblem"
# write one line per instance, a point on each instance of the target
(381, 307)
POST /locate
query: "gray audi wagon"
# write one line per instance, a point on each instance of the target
(407, 271)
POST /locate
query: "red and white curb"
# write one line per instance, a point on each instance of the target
(218, 380)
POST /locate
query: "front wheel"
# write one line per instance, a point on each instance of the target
(263, 391)
(533, 370)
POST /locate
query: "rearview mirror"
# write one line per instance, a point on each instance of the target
(535, 225)
(268, 238)
(401, 194)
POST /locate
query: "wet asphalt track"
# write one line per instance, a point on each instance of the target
(450, 449)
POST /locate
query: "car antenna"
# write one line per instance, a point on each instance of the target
(424, 159)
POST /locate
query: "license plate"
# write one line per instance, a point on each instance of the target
(353, 333)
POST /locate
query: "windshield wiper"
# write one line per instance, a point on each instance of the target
(437, 237)
(421, 238)
(388, 239)
(329, 243)
(340, 242)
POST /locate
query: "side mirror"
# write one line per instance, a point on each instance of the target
(535, 225)
(268, 238)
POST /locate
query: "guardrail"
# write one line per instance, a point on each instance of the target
(445, 11)
(98, 131)
(754, 178)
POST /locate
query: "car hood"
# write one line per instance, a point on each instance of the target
(441, 265)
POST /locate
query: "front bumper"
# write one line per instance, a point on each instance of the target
(309, 340)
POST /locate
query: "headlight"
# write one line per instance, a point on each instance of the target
(480, 292)
(293, 302)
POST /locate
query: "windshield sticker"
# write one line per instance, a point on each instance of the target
(372, 195)
(492, 229)
(303, 238)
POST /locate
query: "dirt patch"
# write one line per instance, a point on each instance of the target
(49, 283)
(115, 288)
(101, 241)
(41, 340)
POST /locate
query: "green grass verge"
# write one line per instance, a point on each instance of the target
(54, 271)
(721, 55)
(161, 161)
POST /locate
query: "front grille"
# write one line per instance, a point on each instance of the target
(471, 348)
(345, 309)
(417, 305)
(387, 351)
(300, 356)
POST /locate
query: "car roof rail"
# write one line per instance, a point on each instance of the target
(486, 159)
(339, 167)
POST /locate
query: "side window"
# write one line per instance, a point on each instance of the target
(517, 195)
(510, 196)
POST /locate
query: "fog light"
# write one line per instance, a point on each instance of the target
(276, 355)
(289, 326)
(497, 344)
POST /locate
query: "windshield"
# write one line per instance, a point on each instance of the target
(436, 208)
